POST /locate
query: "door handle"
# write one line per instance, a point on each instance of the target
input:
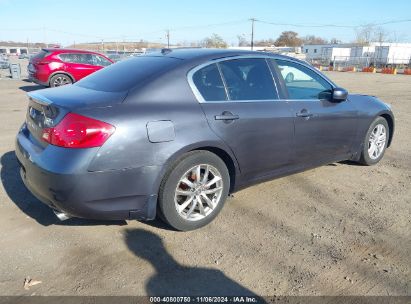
(226, 116)
(304, 113)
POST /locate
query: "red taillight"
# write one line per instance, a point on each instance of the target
(77, 131)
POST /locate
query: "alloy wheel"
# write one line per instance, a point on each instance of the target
(198, 192)
(60, 81)
(376, 141)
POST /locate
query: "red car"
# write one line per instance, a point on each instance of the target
(56, 67)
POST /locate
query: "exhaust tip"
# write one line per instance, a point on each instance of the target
(61, 215)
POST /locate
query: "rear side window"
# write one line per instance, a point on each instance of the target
(209, 83)
(100, 60)
(127, 74)
(77, 58)
(68, 57)
(248, 79)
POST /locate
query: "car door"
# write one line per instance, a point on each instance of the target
(240, 101)
(324, 129)
(80, 65)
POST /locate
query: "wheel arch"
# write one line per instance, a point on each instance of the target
(216, 148)
(63, 73)
(227, 159)
(390, 120)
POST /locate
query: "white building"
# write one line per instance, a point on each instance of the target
(13, 50)
(282, 50)
(327, 52)
(393, 53)
(375, 53)
(382, 53)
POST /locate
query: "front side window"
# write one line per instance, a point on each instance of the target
(248, 79)
(209, 83)
(302, 82)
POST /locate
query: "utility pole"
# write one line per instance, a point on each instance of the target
(252, 32)
(45, 36)
(168, 38)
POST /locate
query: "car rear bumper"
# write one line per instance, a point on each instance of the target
(32, 78)
(109, 195)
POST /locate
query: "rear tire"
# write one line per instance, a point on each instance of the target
(375, 142)
(60, 80)
(194, 191)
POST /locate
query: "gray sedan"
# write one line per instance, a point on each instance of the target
(173, 133)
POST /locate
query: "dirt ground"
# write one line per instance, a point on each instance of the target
(340, 229)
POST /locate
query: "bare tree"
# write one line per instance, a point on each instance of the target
(311, 39)
(215, 41)
(242, 41)
(364, 34)
(380, 35)
(268, 42)
(335, 41)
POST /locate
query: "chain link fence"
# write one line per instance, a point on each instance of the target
(344, 62)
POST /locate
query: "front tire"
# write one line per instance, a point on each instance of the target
(194, 191)
(375, 142)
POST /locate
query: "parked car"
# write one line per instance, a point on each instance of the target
(175, 132)
(56, 67)
(115, 57)
(291, 74)
(24, 56)
(4, 63)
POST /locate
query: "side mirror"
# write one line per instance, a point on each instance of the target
(340, 94)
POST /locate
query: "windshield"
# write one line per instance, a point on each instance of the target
(40, 55)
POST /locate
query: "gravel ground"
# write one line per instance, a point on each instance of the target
(341, 229)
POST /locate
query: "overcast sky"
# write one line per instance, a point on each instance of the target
(92, 20)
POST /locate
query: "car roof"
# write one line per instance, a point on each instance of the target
(195, 54)
(69, 51)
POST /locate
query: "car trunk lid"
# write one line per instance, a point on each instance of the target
(48, 107)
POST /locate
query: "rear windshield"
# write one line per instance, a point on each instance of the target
(125, 75)
(40, 54)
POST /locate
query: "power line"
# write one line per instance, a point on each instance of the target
(334, 25)
(194, 27)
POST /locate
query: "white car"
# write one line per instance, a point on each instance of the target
(291, 74)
